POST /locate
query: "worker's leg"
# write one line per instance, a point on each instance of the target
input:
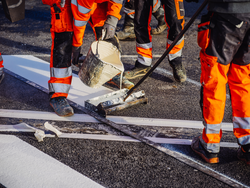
(174, 15)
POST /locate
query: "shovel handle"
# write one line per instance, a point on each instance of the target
(178, 37)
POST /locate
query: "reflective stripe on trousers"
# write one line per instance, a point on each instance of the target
(219, 67)
(60, 64)
(174, 17)
(214, 77)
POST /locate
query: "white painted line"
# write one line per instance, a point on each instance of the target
(37, 70)
(117, 119)
(24, 166)
(23, 128)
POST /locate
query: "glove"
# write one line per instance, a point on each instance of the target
(108, 31)
(189, 1)
(75, 55)
(109, 27)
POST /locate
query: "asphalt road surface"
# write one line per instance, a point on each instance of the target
(109, 163)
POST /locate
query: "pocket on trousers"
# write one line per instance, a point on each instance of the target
(203, 32)
(62, 21)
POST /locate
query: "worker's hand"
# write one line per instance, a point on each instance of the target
(109, 27)
(189, 1)
(108, 31)
(75, 55)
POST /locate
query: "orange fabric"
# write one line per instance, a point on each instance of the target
(203, 36)
(176, 48)
(211, 138)
(59, 95)
(239, 83)
(1, 62)
(178, 9)
(144, 52)
(241, 132)
(66, 80)
(149, 28)
(213, 79)
(65, 21)
(100, 9)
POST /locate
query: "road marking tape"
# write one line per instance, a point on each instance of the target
(22, 127)
(22, 114)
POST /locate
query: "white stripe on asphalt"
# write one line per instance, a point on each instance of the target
(23, 128)
(158, 69)
(38, 71)
(24, 166)
(117, 119)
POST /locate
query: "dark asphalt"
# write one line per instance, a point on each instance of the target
(110, 163)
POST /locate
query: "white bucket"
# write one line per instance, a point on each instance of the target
(101, 64)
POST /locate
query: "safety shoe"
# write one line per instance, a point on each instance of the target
(127, 33)
(125, 82)
(201, 151)
(179, 71)
(1, 78)
(138, 71)
(159, 15)
(61, 106)
(243, 154)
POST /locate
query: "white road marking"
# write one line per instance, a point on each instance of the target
(24, 166)
(23, 128)
(158, 69)
(22, 114)
(37, 70)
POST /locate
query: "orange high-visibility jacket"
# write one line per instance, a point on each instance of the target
(100, 9)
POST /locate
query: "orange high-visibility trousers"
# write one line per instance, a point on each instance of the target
(61, 48)
(174, 17)
(225, 58)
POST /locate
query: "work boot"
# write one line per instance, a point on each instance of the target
(201, 151)
(116, 82)
(127, 33)
(138, 71)
(1, 78)
(61, 106)
(243, 153)
(179, 71)
(159, 15)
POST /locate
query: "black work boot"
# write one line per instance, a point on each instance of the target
(159, 15)
(201, 151)
(139, 70)
(179, 71)
(127, 33)
(61, 106)
(243, 153)
(1, 78)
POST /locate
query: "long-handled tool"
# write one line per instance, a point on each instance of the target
(178, 37)
(118, 100)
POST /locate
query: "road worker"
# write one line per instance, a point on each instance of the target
(68, 23)
(224, 38)
(174, 17)
(128, 27)
(1, 68)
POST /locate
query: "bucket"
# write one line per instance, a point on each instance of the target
(14, 9)
(101, 64)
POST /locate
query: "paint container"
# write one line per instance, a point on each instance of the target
(14, 9)
(101, 64)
